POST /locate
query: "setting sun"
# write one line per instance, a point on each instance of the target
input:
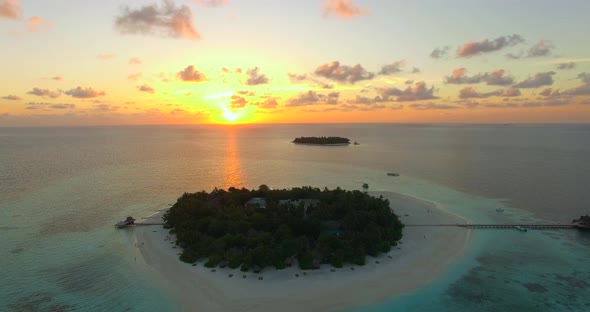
(230, 116)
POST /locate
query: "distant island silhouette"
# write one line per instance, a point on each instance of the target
(322, 140)
(254, 229)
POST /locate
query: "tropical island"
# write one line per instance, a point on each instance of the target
(254, 229)
(322, 140)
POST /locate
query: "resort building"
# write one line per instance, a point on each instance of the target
(258, 202)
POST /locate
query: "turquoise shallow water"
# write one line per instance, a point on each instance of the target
(61, 191)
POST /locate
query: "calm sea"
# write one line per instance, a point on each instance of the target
(62, 189)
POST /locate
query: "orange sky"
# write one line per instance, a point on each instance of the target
(191, 62)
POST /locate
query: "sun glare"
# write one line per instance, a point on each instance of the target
(230, 116)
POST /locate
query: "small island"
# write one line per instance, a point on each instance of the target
(322, 140)
(255, 229)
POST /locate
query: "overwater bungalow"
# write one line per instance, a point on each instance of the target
(125, 223)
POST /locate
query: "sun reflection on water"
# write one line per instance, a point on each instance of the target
(233, 175)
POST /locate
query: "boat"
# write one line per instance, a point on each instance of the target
(393, 174)
(500, 209)
(582, 223)
(520, 228)
(125, 223)
(356, 143)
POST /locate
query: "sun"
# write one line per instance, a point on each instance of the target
(230, 116)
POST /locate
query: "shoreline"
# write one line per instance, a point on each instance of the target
(330, 144)
(422, 255)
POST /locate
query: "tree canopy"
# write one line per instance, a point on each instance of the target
(321, 140)
(306, 224)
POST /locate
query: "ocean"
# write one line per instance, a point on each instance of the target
(62, 189)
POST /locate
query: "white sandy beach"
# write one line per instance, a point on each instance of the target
(422, 256)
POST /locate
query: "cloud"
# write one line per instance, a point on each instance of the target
(237, 102)
(472, 48)
(211, 3)
(513, 56)
(549, 92)
(417, 93)
(468, 103)
(394, 68)
(178, 111)
(44, 93)
(416, 70)
(343, 9)
(134, 77)
(165, 20)
(190, 74)
(540, 79)
(540, 49)
(134, 61)
(105, 57)
(304, 77)
(583, 89)
(496, 78)
(343, 73)
(565, 66)
(10, 9)
(497, 105)
(146, 88)
(312, 97)
(255, 77)
(48, 106)
(458, 77)
(364, 108)
(267, 103)
(245, 92)
(363, 100)
(585, 77)
(37, 23)
(472, 93)
(431, 106)
(84, 93)
(549, 102)
(440, 52)
(105, 108)
(62, 106)
(11, 98)
(228, 71)
(511, 92)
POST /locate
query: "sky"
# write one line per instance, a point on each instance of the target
(123, 62)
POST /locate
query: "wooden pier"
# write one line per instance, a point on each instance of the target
(502, 226)
(149, 223)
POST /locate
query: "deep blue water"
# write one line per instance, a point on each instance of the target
(62, 189)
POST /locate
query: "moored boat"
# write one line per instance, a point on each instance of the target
(582, 223)
(125, 223)
(520, 228)
(393, 174)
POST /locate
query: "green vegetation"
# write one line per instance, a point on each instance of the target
(313, 226)
(321, 140)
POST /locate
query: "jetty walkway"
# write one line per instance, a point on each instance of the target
(500, 226)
